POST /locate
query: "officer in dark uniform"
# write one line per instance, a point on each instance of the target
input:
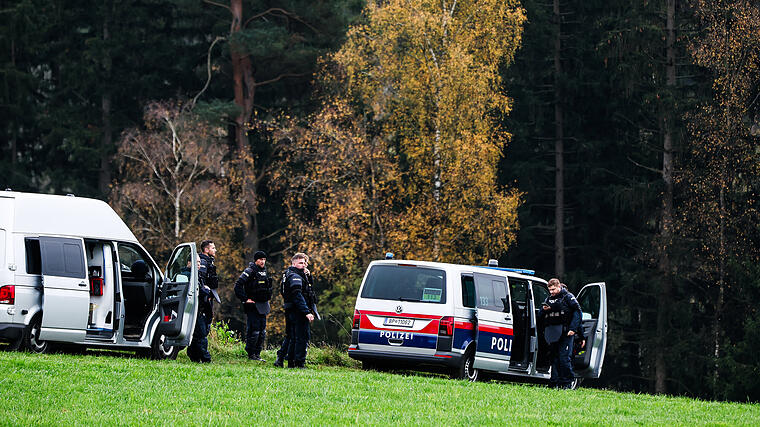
(209, 282)
(254, 289)
(298, 314)
(562, 317)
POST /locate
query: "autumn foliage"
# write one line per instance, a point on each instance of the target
(403, 154)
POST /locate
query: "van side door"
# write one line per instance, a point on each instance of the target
(593, 301)
(66, 294)
(494, 323)
(178, 297)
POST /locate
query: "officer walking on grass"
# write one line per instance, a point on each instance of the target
(254, 289)
(298, 313)
(562, 315)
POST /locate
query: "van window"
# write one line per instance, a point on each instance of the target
(134, 263)
(33, 259)
(468, 291)
(540, 293)
(402, 283)
(492, 293)
(590, 301)
(62, 257)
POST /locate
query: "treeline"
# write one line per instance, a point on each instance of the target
(590, 140)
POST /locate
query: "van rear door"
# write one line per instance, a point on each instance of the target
(400, 307)
(66, 295)
(494, 329)
(178, 300)
(593, 301)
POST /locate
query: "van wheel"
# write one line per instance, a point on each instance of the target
(31, 337)
(466, 370)
(160, 351)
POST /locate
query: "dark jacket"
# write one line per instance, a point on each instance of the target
(254, 284)
(565, 311)
(207, 272)
(294, 281)
(207, 279)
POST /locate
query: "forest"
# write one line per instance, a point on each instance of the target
(594, 140)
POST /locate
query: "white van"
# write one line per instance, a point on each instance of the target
(465, 319)
(72, 272)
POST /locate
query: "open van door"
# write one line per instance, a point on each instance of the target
(593, 301)
(178, 300)
(66, 295)
(494, 324)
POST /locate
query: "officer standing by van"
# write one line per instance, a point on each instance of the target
(254, 289)
(562, 315)
(209, 282)
(298, 313)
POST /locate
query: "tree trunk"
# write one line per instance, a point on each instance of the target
(559, 161)
(245, 91)
(242, 75)
(106, 144)
(666, 227)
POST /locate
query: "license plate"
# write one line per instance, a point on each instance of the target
(395, 321)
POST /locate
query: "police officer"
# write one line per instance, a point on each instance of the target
(562, 315)
(209, 282)
(298, 314)
(254, 289)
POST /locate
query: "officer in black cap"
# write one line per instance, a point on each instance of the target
(254, 289)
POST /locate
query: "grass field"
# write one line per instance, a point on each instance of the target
(116, 388)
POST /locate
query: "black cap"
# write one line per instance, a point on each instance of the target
(259, 254)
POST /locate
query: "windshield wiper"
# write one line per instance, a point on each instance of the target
(409, 299)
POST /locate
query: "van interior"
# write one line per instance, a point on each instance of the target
(521, 325)
(138, 284)
(102, 281)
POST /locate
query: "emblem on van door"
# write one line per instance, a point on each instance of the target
(399, 309)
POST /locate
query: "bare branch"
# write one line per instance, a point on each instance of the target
(283, 12)
(218, 4)
(208, 70)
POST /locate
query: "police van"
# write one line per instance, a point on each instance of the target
(465, 319)
(71, 272)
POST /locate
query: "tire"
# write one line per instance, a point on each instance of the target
(465, 370)
(159, 351)
(30, 338)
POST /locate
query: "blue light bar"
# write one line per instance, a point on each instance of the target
(514, 270)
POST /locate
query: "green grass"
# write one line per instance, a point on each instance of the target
(113, 388)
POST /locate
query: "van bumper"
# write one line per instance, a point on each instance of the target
(445, 359)
(10, 331)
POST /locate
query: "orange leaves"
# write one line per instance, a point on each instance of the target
(403, 154)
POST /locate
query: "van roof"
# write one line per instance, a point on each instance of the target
(467, 268)
(66, 216)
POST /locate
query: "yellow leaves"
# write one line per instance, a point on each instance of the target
(403, 157)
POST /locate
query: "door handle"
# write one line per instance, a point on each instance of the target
(83, 284)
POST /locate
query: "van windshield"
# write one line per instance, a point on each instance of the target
(405, 283)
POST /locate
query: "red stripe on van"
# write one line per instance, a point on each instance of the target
(495, 329)
(464, 325)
